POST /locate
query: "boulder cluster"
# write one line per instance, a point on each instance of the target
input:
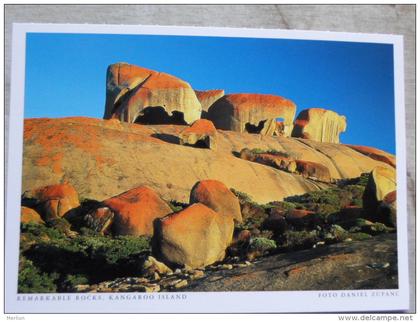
(139, 95)
(196, 236)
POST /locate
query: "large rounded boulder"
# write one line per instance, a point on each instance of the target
(215, 195)
(53, 201)
(135, 210)
(196, 236)
(137, 94)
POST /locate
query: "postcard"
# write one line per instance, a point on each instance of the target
(162, 169)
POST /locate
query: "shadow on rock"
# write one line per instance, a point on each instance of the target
(168, 138)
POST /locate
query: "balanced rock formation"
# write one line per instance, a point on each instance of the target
(381, 182)
(375, 154)
(196, 236)
(53, 201)
(137, 94)
(135, 211)
(29, 215)
(207, 98)
(253, 113)
(215, 195)
(320, 125)
(200, 132)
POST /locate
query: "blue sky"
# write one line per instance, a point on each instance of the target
(65, 74)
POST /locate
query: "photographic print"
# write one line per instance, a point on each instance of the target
(205, 164)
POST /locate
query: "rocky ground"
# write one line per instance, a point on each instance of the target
(370, 264)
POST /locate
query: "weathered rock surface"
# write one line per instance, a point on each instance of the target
(29, 215)
(137, 94)
(207, 98)
(275, 161)
(369, 264)
(100, 220)
(375, 154)
(308, 169)
(253, 113)
(135, 210)
(196, 236)
(313, 170)
(215, 195)
(101, 158)
(381, 182)
(319, 125)
(201, 131)
(53, 201)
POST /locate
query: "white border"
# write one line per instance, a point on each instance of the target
(197, 302)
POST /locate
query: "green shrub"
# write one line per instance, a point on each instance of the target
(52, 262)
(290, 155)
(32, 280)
(335, 233)
(176, 206)
(359, 181)
(36, 231)
(293, 240)
(326, 201)
(113, 249)
(262, 244)
(71, 281)
(285, 205)
(242, 196)
(358, 236)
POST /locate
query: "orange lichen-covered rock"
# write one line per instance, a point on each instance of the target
(215, 195)
(196, 236)
(207, 98)
(200, 131)
(253, 113)
(313, 170)
(375, 154)
(28, 215)
(54, 200)
(136, 94)
(320, 125)
(135, 211)
(102, 158)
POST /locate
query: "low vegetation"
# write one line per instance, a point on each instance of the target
(86, 258)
